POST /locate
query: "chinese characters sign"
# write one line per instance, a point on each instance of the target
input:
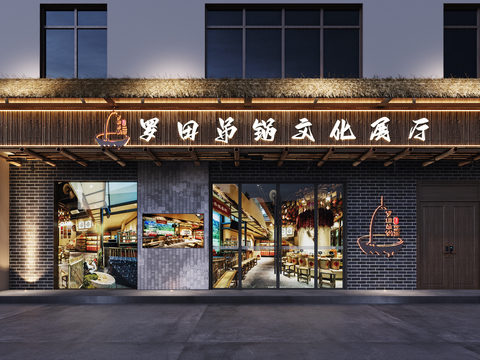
(266, 130)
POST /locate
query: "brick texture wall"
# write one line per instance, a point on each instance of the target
(173, 188)
(365, 184)
(184, 188)
(32, 215)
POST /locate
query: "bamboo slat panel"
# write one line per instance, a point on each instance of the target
(79, 128)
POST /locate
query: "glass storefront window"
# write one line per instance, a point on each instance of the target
(298, 235)
(330, 235)
(225, 259)
(289, 235)
(96, 235)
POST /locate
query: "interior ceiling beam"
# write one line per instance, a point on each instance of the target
(365, 156)
(194, 156)
(37, 156)
(69, 155)
(397, 157)
(475, 158)
(44, 106)
(113, 156)
(236, 156)
(152, 156)
(283, 156)
(441, 156)
(325, 157)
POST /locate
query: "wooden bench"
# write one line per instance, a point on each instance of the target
(226, 279)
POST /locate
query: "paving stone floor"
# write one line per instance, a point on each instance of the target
(225, 331)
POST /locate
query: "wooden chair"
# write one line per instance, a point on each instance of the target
(303, 271)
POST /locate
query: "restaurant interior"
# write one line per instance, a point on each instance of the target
(173, 231)
(291, 235)
(97, 235)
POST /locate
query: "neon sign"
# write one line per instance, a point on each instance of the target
(265, 130)
(121, 137)
(188, 131)
(226, 130)
(150, 127)
(392, 229)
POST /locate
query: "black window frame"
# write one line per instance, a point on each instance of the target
(453, 7)
(43, 30)
(283, 7)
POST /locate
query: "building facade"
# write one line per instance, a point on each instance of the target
(185, 145)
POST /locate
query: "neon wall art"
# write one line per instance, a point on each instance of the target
(392, 229)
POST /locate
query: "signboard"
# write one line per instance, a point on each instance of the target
(220, 207)
(314, 128)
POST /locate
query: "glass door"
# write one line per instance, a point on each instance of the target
(259, 240)
(298, 233)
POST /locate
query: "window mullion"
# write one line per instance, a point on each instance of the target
(283, 43)
(478, 42)
(360, 44)
(75, 44)
(321, 43)
(244, 44)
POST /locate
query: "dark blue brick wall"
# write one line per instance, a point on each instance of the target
(32, 215)
(365, 184)
(32, 210)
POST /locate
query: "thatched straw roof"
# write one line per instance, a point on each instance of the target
(238, 88)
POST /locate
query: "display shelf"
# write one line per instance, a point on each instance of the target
(93, 242)
(230, 242)
(127, 238)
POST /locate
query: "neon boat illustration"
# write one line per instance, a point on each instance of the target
(120, 137)
(370, 247)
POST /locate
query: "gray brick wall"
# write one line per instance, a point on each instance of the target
(32, 215)
(365, 185)
(175, 187)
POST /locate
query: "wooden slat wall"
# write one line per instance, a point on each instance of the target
(76, 128)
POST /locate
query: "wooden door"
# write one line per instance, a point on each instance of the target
(448, 250)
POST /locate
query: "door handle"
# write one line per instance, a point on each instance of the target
(449, 251)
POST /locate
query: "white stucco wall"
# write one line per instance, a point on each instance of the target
(166, 38)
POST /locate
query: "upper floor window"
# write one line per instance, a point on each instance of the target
(279, 41)
(73, 41)
(461, 52)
